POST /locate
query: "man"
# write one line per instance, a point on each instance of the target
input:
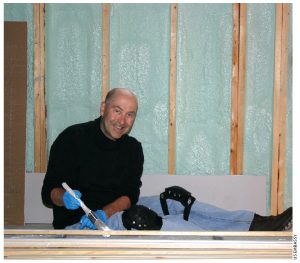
(98, 159)
(104, 165)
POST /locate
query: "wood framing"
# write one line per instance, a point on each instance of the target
(40, 154)
(279, 110)
(62, 232)
(238, 88)
(87, 244)
(105, 49)
(241, 89)
(172, 91)
(234, 89)
(283, 106)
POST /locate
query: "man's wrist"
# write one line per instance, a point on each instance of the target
(57, 196)
(118, 205)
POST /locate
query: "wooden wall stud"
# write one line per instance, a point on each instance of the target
(279, 111)
(40, 155)
(172, 91)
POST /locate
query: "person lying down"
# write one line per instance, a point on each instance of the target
(177, 210)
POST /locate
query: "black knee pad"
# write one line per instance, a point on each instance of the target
(179, 194)
(140, 217)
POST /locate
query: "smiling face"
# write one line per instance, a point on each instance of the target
(118, 114)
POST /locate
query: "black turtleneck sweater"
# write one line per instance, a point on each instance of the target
(101, 169)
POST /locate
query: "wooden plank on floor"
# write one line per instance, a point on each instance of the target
(20, 232)
(153, 245)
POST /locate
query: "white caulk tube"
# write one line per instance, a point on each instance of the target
(100, 225)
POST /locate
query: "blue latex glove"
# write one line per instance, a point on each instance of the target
(85, 222)
(70, 202)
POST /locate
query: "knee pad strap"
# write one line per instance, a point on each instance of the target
(177, 193)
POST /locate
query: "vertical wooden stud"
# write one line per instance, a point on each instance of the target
(283, 106)
(105, 49)
(238, 88)
(234, 89)
(241, 89)
(274, 196)
(279, 111)
(172, 90)
(40, 155)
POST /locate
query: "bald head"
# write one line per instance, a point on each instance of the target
(113, 93)
(118, 113)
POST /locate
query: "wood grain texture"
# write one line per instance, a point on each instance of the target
(172, 91)
(40, 150)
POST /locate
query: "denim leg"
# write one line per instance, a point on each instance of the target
(115, 222)
(153, 202)
(212, 218)
(177, 223)
(202, 216)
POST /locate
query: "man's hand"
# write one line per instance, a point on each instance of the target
(85, 222)
(70, 202)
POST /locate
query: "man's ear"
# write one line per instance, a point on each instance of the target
(102, 108)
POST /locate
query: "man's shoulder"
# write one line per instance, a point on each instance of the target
(132, 141)
(78, 128)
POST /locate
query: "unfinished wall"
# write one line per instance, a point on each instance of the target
(204, 89)
(259, 90)
(139, 59)
(73, 65)
(139, 37)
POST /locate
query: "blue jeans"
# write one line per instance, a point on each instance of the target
(203, 217)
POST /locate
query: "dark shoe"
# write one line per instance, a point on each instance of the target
(280, 222)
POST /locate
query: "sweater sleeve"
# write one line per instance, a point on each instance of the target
(134, 173)
(61, 165)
